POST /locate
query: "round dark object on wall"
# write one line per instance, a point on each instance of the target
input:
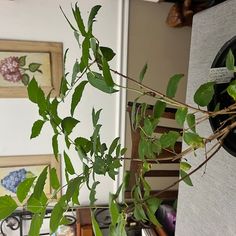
(222, 98)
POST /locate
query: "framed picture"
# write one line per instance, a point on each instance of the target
(14, 169)
(20, 61)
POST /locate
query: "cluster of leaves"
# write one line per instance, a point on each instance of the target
(96, 157)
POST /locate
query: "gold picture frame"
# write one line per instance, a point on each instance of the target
(21, 60)
(29, 164)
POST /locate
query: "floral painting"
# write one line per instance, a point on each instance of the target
(16, 69)
(10, 178)
(21, 61)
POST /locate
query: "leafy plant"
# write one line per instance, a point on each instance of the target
(99, 158)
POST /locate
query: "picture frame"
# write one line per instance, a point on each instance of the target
(22, 60)
(26, 165)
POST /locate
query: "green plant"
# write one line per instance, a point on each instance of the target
(99, 158)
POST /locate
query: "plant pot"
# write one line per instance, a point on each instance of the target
(222, 98)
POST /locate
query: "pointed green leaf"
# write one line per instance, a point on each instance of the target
(92, 194)
(185, 166)
(193, 140)
(67, 19)
(142, 73)
(107, 53)
(191, 122)
(97, 81)
(92, 16)
(113, 145)
(96, 230)
(7, 206)
(39, 186)
(95, 116)
(79, 20)
(24, 188)
(36, 128)
(231, 89)
(76, 70)
(56, 217)
(148, 128)
(85, 54)
(55, 145)
(113, 208)
(169, 139)
(139, 213)
(25, 79)
(173, 85)
(186, 179)
(33, 90)
(180, 115)
(34, 205)
(230, 60)
(36, 223)
(204, 94)
(106, 73)
(72, 186)
(68, 164)
(54, 181)
(159, 109)
(152, 217)
(153, 204)
(68, 124)
(76, 97)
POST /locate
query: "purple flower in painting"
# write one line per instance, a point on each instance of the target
(10, 69)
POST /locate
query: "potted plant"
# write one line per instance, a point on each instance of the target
(99, 158)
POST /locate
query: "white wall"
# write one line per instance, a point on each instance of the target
(42, 20)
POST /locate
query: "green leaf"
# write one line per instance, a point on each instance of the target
(95, 116)
(25, 79)
(22, 61)
(39, 186)
(33, 90)
(68, 20)
(139, 213)
(55, 145)
(68, 124)
(185, 166)
(97, 81)
(99, 166)
(56, 217)
(113, 208)
(54, 181)
(83, 143)
(79, 20)
(152, 217)
(186, 179)
(169, 139)
(148, 128)
(68, 164)
(180, 115)
(106, 73)
(24, 188)
(96, 230)
(34, 205)
(85, 54)
(72, 186)
(193, 140)
(36, 128)
(231, 89)
(173, 85)
(156, 146)
(7, 206)
(92, 16)
(204, 94)
(76, 70)
(113, 145)
(191, 120)
(142, 148)
(33, 67)
(142, 73)
(153, 204)
(92, 194)
(159, 109)
(76, 97)
(107, 53)
(36, 223)
(230, 60)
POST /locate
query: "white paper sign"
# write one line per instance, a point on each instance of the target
(220, 75)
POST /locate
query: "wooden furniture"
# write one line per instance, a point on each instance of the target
(84, 224)
(167, 117)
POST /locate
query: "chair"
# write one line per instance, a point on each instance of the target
(160, 173)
